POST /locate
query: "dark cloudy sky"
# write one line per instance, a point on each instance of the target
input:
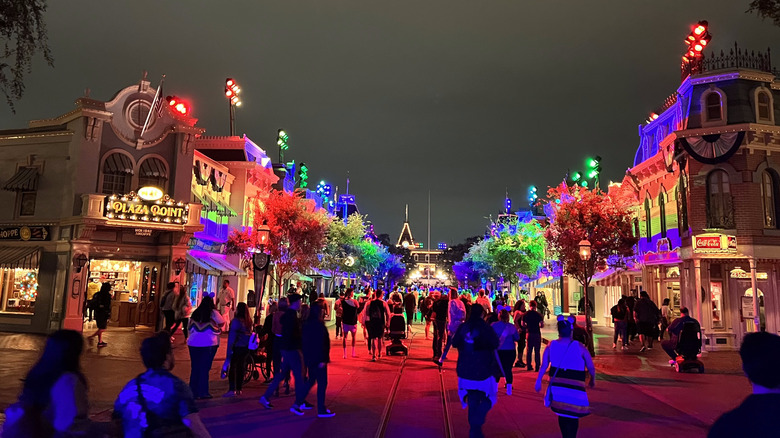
(463, 98)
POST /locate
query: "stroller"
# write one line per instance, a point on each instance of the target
(688, 349)
(396, 333)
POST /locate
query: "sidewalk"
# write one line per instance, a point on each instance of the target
(636, 394)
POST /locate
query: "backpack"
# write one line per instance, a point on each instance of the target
(376, 310)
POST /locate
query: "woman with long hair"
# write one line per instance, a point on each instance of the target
(507, 337)
(203, 343)
(182, 306)
(238, 347)
(568, 361)
(102, 304)
(517, 317)
(666, 318)
(54, 396)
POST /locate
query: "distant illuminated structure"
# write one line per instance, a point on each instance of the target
(427, 271)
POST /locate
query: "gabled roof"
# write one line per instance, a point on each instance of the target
(406, 235)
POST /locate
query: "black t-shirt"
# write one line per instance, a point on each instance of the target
(531, 319)
(756, 416)
(440, 308)
(409, 302)
(348, 312)
(377, 312)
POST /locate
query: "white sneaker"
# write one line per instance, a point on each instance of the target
(508, 389)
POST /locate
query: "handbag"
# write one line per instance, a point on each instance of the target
(254, 342)
(572, 407)
(154, 424)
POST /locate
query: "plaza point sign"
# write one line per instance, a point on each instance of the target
(132, 207)
(714, 243)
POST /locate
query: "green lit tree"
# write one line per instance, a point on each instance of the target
(517, 248)
(342, 252)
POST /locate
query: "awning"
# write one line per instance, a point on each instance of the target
(153, 168)
(25, 180)
(201, 265)
(19, 257)
(612, 278)
(299, 277)
(118, 164)
(222, 264)
(549, 283)
(205, 202)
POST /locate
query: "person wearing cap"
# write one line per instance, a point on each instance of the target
(290, 344)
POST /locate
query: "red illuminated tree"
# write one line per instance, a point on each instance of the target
(297, 233)
(578, 214)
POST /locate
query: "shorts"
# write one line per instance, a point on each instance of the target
(646, 328)
(349, 328)
(101, 322)
(375, 330)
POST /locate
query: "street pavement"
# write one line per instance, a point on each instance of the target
(636, 394)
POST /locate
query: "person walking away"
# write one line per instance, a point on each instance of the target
(166, 306)
(666, 318)
(157, 403)
(410, 305)
(476, 343)
(316, 356)
(457, 315)
(182, 307)
(338, 308)
(266, 334)
(276, 327)
(507, 337)
(238, 348)
(349, 319)
(365, 300)
(567, 360)
(439, 312)
(541, 303)
(756, 416)
(646, 314)
(484, 301)
(92, 289)
(619, 314)
(102, 301)
(533, 323)
(632, 329)
(378, 317)
(517, 316)
(203, 342)
(226, 301)
(54, 400)
(425, 313)
(290, 345)
(675, 328)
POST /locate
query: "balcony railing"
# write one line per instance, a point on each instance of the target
(735, 58)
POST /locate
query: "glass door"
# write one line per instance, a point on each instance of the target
(148, 296)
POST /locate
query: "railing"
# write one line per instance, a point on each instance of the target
(735, 58)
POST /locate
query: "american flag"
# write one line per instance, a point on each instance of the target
(157, 106)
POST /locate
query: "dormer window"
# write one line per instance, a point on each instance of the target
(713, 107)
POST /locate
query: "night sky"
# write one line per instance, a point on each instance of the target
(466, 99)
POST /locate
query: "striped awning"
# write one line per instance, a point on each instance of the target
(25, 180)
(554, 281)
(153, 168)
(118, 164)
(19, 257)
(200, 266)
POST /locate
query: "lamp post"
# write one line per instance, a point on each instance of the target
(79, 262)
(179, 264)
(260, 261)
(231, 92)
(585, 254)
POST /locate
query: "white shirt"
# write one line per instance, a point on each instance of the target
(226, 296)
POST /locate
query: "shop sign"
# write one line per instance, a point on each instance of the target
(150, 193)
(714, 243)
(206, 246)
(24, 233)
(744, 275)
(132, 207)
(747, 308)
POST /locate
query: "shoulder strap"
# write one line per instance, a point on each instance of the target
(563, 357)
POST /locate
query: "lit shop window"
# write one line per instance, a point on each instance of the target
(716, 291)
(19, 290)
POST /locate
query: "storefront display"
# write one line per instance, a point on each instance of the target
(19, 290)
(134, 289)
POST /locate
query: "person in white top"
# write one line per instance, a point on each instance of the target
(226, 301)
(203, 342)
(568, 360)
(484, 301)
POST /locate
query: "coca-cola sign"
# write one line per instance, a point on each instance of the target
(714, 243)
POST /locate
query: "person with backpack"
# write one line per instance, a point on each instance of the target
(54, 396)
(439, 312)
(157, 403)
(647, 316)
(102, 304)
(377, 319)
(620, 318)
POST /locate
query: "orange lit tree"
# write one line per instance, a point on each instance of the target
(577, 214)
(297, 234)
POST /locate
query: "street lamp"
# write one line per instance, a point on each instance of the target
(179, 264)
(260, 261)
(585, 254)
(79, 262)
(231, 93)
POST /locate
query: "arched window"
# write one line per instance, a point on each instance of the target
(713, 107)
(769, 199)
(153, 172)
(117, 174)
(648, 220)
(662, 212)
(763, 103)
(720, 213)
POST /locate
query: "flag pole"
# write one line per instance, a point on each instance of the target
(152, 108)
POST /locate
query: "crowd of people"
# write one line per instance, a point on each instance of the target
(492, 337)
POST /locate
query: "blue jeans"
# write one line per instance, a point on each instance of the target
(291, 361)
(200, 362)
(320, 377)
(479, 405)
